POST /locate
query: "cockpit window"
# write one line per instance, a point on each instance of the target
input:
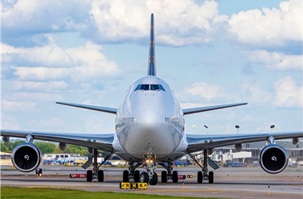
(155, 87)
(144, 87)
(152, 87)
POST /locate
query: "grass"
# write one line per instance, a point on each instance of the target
(47, 193)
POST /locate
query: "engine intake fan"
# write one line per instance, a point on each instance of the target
(26, 157)
(273, 158)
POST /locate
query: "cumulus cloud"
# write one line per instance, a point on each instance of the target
(34, 16)
(276, 60)
(288, 93)
(269, 27)
(51, 62)
(255, 93)
(178, 23)
(205, 91)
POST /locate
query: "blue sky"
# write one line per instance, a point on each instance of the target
(210, 52)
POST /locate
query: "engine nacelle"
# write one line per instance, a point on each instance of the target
(273, 158)
(238, 147)
(26, 157)
(62, 146)
(5, 139)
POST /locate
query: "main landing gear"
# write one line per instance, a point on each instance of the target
(95, 174)
(168, 174)
(204, 175)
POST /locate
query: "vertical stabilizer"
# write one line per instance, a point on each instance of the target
(152, 56)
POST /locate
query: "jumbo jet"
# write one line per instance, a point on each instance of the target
(150, 132)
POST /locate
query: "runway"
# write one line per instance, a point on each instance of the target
(229, 182)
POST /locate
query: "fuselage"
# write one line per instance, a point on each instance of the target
(150, 121)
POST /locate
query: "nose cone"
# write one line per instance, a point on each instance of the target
(149, 117)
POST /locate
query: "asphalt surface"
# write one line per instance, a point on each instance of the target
(229, 182)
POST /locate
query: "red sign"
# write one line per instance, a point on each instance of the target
(77, 175)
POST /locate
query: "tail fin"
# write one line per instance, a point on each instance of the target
(152, 56)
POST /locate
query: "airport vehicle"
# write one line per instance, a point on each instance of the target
(150, 129)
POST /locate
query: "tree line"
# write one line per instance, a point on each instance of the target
(45, 147)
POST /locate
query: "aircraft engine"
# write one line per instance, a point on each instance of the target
(273, 158)
(26, 157)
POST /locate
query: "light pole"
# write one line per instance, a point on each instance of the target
(206, 128)
(237, 127)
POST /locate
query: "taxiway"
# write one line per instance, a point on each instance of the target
(229, 182)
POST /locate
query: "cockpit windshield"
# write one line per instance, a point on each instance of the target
(150, 87)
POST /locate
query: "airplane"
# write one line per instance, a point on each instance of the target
(150, 131)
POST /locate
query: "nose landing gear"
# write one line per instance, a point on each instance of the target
(150, 175)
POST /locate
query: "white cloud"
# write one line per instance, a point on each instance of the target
(17, 105)
(269, 27)
(43, 16)
(178, 23)
(55, 62)
(255, 93)
(34, 96)
(276, 60)
(38, 86)
(205, 91)
(288, 93)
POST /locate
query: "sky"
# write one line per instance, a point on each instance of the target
(209, 52)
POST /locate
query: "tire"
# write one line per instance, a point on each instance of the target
(89, 176)
(137, 176)
(100, 176)
(175, 177)
(144, 177)
(125, 176)
(154, 179)
(199, 177)
(164, 177)
(211, 177)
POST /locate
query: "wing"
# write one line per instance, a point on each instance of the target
(210, 108)
(90, 107)
(198, 142)
(98, 141)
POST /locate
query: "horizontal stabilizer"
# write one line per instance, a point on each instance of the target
(209, 108)
(94, 108)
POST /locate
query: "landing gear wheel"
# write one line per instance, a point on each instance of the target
(100, 176)
(144, 177)
(199, 177)
(89, 176)
(137, 176)
(211, 177)
(125, 176)
(164, 177)
(39, 172)
(154, 179)
(175, 177)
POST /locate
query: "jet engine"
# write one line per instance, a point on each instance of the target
(273, 158)
(26, 157)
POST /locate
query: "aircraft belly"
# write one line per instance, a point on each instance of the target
(139, 140)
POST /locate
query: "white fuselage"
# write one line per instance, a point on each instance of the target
(150, 121)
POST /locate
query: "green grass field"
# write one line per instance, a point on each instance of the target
(46, 193)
